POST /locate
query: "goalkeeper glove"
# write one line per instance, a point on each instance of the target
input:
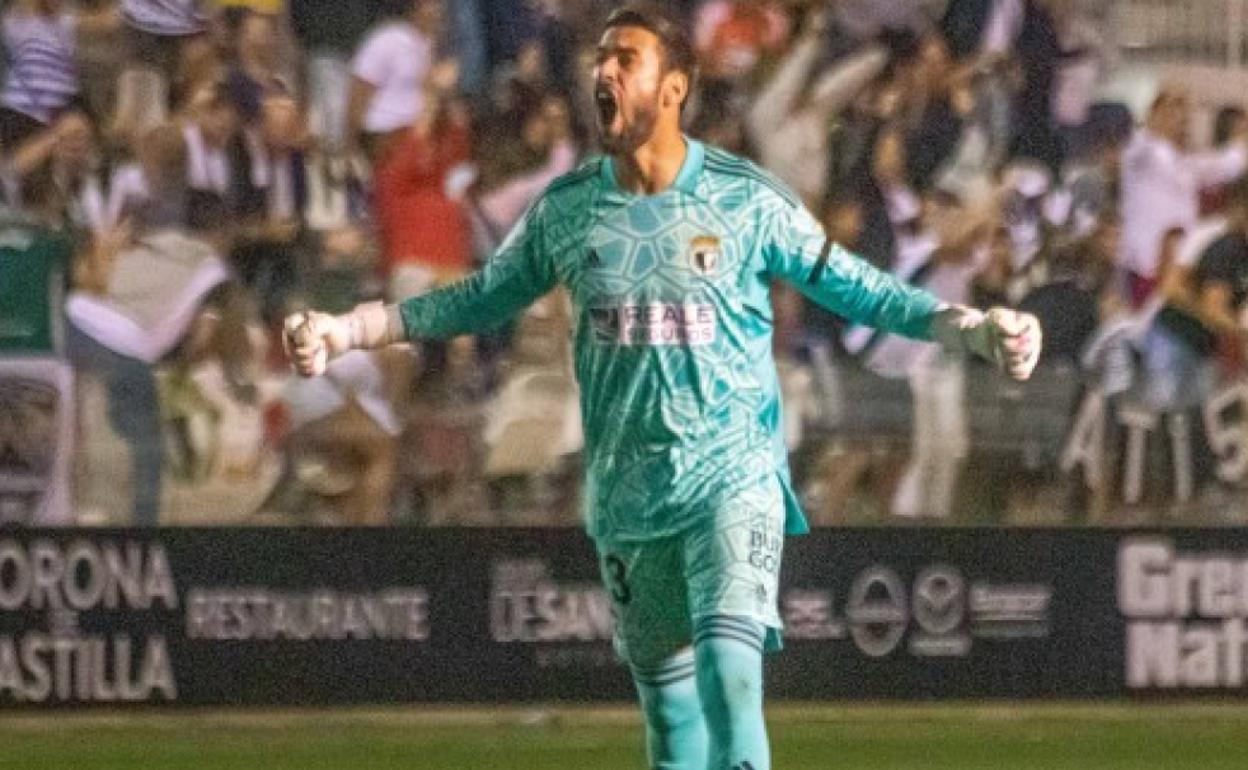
(313, 339)
(1009, 339)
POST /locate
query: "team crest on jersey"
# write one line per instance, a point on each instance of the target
(705, 254)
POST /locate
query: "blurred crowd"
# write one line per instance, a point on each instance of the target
(181, 174)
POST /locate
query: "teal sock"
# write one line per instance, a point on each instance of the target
(729, 654)
(675, 728)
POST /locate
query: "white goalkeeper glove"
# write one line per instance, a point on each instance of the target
(1009, 339)
(312, 339)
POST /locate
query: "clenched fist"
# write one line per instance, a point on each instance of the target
(312, 339)
(1014, 340)
(1009, 339)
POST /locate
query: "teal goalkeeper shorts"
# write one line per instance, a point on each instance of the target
(727, 563)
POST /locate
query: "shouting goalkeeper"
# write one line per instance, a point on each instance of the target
(667, 248)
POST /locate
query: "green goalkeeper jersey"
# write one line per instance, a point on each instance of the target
(672, 325)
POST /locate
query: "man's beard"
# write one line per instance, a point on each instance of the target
(635, 133)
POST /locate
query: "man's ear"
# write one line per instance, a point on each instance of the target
(675, 88)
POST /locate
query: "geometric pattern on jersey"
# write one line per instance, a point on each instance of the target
(672, 328)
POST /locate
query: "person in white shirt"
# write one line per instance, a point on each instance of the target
(941, 246)
(389, 73)
(155, 292)
(1161, 183)
(789, 119)
(1230, 122)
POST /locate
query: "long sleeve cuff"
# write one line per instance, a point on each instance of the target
(374, 325)
(961, 330)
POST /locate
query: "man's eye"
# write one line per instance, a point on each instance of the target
(626, 60)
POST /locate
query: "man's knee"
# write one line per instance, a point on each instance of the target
(667, 684)
(675, 727)
(676, 710)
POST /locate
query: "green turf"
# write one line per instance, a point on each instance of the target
(877, 737)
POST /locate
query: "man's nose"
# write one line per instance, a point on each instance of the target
(607, 71)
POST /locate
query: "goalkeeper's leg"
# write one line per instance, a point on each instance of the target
(675, 727)
(653, 634)
(729, 653)
(732, 565)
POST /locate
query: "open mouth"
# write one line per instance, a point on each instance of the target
(607, 106)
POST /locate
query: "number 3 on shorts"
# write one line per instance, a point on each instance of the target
(616, 573)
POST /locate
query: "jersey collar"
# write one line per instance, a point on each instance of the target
(687, 179)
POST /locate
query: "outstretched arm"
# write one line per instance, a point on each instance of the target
(516, 276)
(776, 100)
(797, 251)
(842, 83)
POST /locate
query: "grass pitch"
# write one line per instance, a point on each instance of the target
(1051, 736)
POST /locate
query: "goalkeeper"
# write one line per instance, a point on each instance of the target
(667, 248)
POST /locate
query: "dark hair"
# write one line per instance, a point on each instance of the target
(1237, 192)
(207, 212)
(234, 17)
(1224, 123)
(678, 53)
(903, 44)
(397, 8)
